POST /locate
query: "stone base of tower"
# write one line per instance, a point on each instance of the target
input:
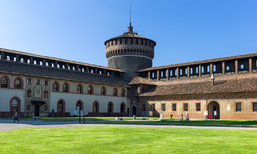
(129, 64)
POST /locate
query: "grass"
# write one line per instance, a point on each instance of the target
(108, 139)
(94, 118)
(244, 123)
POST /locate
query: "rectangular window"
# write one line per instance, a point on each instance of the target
(163, 107)
(198, 106)
(152, 107)
(254, 107)
(174, 107)
(238, 107)
(185, 107)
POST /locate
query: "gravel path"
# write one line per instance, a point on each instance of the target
(5, 125)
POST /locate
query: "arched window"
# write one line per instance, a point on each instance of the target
(122, 107)
(65, 87)
(90, 89)
(61, 106)
(29, 93)
(110, 107)
(103, 91)
(115, 92)
(45, 94)
(79, 105)
(95, 107)
(18, 83)
(79, 89)
(4, 82)
(56, 87)
(123, 92)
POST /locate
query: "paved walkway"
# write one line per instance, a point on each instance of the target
(5, 125)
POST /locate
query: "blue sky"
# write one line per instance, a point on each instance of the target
(185, 30)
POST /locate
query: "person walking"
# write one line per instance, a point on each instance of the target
(16, 116)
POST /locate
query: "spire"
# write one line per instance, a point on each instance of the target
(130, 28)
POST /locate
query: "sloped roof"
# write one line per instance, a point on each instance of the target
(222, 86)
(138, 80)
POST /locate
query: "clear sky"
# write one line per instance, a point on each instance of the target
(185, 30)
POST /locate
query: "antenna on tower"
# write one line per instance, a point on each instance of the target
(130, 28)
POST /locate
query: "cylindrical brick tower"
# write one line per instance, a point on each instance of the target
(130, 52)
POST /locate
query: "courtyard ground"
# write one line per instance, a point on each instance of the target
(71, 137)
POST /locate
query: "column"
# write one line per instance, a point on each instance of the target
(236, 66)
(188, 71)
(177, 72)
(223, 67)
(158, 75)
(168, 74)
(250, 65)
(2, 56)
(200, 70)
(211, 69)
(44, 62)
(31, 60)
(149, 75)
(17, 58)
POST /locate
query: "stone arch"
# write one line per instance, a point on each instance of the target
(54, 88)
(8, 81)
(21, 83)
(110, 107)
(61, 106)
(213, 106)
(15, 105)
(95, 107)
(122, 107)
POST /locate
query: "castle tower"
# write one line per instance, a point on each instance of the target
(130, 52)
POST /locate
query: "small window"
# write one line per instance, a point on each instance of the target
(79, 89)
(29, 93)
(123, 92)
(254, 107)
(90, 90)
(28, 107)
(115, 92)
(45, 94)
(55, 87)
(38, 82)
(163, 107)
(185, 107)
(174, 107)
(198, 106)
(238, 107)
(18, 84)
(103, 91)
(4, 83)
(66, 87)
(152, 107)
(46, 83)
(29, 81)
(45, 107)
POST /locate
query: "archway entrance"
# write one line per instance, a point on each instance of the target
(36, 112)
(213, 110)
(134, 110)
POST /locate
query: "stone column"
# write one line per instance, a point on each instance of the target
(188, 71)
(211, 69)
(31, 60)
(17, 58)
(236, 66)
(200, 70)
(44, 62)
(2, 56)
(250, 65)
(223, 67)
(168, 74)
(177, 72)
(149, 75)
(158, 75)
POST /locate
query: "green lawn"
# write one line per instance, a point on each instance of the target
(109, 139)
(244, 123)
(93, 118)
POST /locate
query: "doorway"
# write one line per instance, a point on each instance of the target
(134, 110)
(37, 108)
(213, 110)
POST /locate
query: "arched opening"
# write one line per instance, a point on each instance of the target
(110, 107)
(79, 89)
(18, 84)
(15, 104)
(55, 87)
(37, 108)
(122, 107)
(134, 110)
(90, 89)
(103, 91)
(61, 106)
(29, 93)
(213, 110)
(79, 105)
(95, 107)
(5, 82)
(66, 87)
